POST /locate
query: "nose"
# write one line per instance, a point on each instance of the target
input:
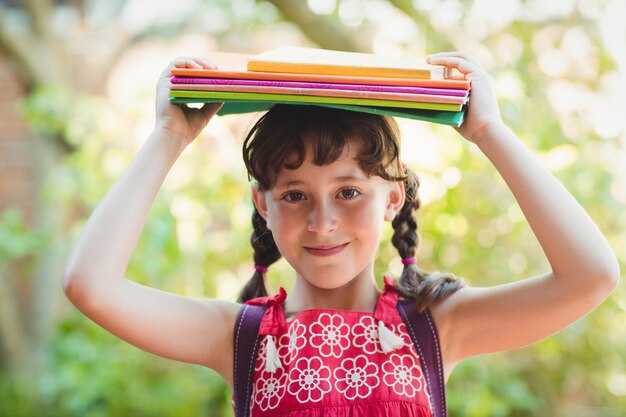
(322, 218)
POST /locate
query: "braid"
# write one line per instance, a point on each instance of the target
(265, 254)
(425, 288)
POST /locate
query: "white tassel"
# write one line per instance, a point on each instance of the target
(389, 341)
(272, 360)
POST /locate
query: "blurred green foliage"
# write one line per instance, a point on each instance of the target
(16, 239)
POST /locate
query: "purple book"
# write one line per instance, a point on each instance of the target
(294, 84)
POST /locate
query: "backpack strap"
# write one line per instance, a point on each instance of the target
(246, 349)
(423, 333)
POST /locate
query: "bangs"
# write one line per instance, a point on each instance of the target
(281, 137)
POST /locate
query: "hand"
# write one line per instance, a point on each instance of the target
(483, 112)
(180, 121)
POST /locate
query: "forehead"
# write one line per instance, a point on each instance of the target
(313, 177)
(314, 153)
(346, 163)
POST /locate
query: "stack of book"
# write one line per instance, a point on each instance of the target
(369, 83)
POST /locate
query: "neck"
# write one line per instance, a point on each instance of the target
(360, 294)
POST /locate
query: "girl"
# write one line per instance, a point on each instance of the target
(324, 183)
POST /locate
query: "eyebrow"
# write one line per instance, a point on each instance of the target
(343, 178)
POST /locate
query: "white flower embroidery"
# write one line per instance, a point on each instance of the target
(356, 377)
(292, 342)
(309, 380)
(403, 375)
(269, 389)
(365, 334)
(330, 335)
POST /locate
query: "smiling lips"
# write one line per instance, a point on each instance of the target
(325, 250)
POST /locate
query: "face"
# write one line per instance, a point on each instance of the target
(327, 220)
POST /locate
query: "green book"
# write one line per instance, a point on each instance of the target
(315, 99)
(248, 105)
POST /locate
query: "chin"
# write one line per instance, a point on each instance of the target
(331, 281)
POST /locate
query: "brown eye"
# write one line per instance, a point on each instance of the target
(348, 193)
(293, 196)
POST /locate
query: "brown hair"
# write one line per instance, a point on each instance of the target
(278, 140)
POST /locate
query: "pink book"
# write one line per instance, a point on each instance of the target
(324, 92)
(313, 85)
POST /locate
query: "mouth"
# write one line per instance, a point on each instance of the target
(325, 250)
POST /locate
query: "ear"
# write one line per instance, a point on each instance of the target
(395, 200)
(258, 198)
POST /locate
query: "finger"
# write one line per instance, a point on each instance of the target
(210, 109)
(206, 63)
(459, 54)
(200, 116)
(188, 62)
(179, 62)
(462, 65)
(454, 54)
(193, 62)
(184, 62)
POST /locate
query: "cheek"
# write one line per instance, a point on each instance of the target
(365, 215)
(284, 219)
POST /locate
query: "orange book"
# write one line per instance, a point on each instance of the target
(299, 60)
(234, 65)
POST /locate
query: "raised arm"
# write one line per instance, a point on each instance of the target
(169, 325)
(584, 268)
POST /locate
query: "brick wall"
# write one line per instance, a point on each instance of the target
(17, 186)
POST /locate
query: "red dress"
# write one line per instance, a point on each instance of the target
(333, 363)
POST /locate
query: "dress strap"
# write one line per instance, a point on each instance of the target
(425, 336)
(274, 319)
(271, 326)
(387, 313)
(386, 308)
(246, 341)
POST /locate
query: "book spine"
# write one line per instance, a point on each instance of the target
(317, 85)
(314, 99)
(376, 95)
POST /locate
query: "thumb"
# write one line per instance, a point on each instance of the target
(210, 109)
